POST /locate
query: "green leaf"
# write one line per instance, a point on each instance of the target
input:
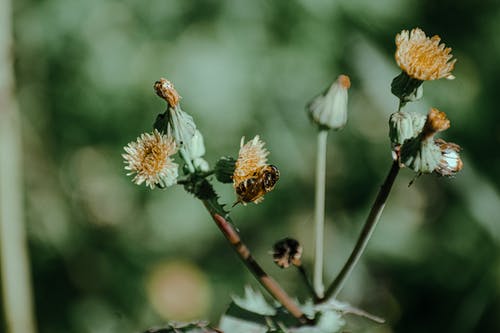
(253, 301)
(234, 324)
(329, 322)
(193, 327)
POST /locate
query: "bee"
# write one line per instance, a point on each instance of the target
(259, 183)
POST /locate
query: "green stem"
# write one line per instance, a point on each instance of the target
(308, 284)
(187, 160)
(319, 213)
(14, 259)
(206, 173)
(187, 180)
(366, 233)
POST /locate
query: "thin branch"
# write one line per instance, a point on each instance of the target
(366, 232)
(206, 173)
(187, 160)
(307, 282)
(264, 279)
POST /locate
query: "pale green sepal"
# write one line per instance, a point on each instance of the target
(224, 169)
(406, 88)
(405, 125)
(181, 126)
(420, 156)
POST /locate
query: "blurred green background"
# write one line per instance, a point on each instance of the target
(109, 256)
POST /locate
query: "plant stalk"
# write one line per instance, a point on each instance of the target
(245, 255)
(319, 213)
(187, 160)
(366, 233)
(308, 284)
(15, 272)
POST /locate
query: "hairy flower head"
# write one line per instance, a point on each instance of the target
(423, 58)
(252, 156)
(149, 159)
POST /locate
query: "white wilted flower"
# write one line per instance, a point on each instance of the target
(329, 110)
(149, 158)
(450, 162)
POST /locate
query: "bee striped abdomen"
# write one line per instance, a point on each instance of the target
(261, 182)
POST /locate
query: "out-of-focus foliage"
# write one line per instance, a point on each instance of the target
(109, 256)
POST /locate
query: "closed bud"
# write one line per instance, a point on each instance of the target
(224, 169)
(404, 126)
(329, 110)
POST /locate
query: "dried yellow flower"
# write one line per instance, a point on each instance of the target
(436, 122)
(253, 177)
(149, 159)
(252, 156)
(423, 58)
(165, 89)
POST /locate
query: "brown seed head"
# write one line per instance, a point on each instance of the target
(165, 89)
(436, 122)
(286, 252)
